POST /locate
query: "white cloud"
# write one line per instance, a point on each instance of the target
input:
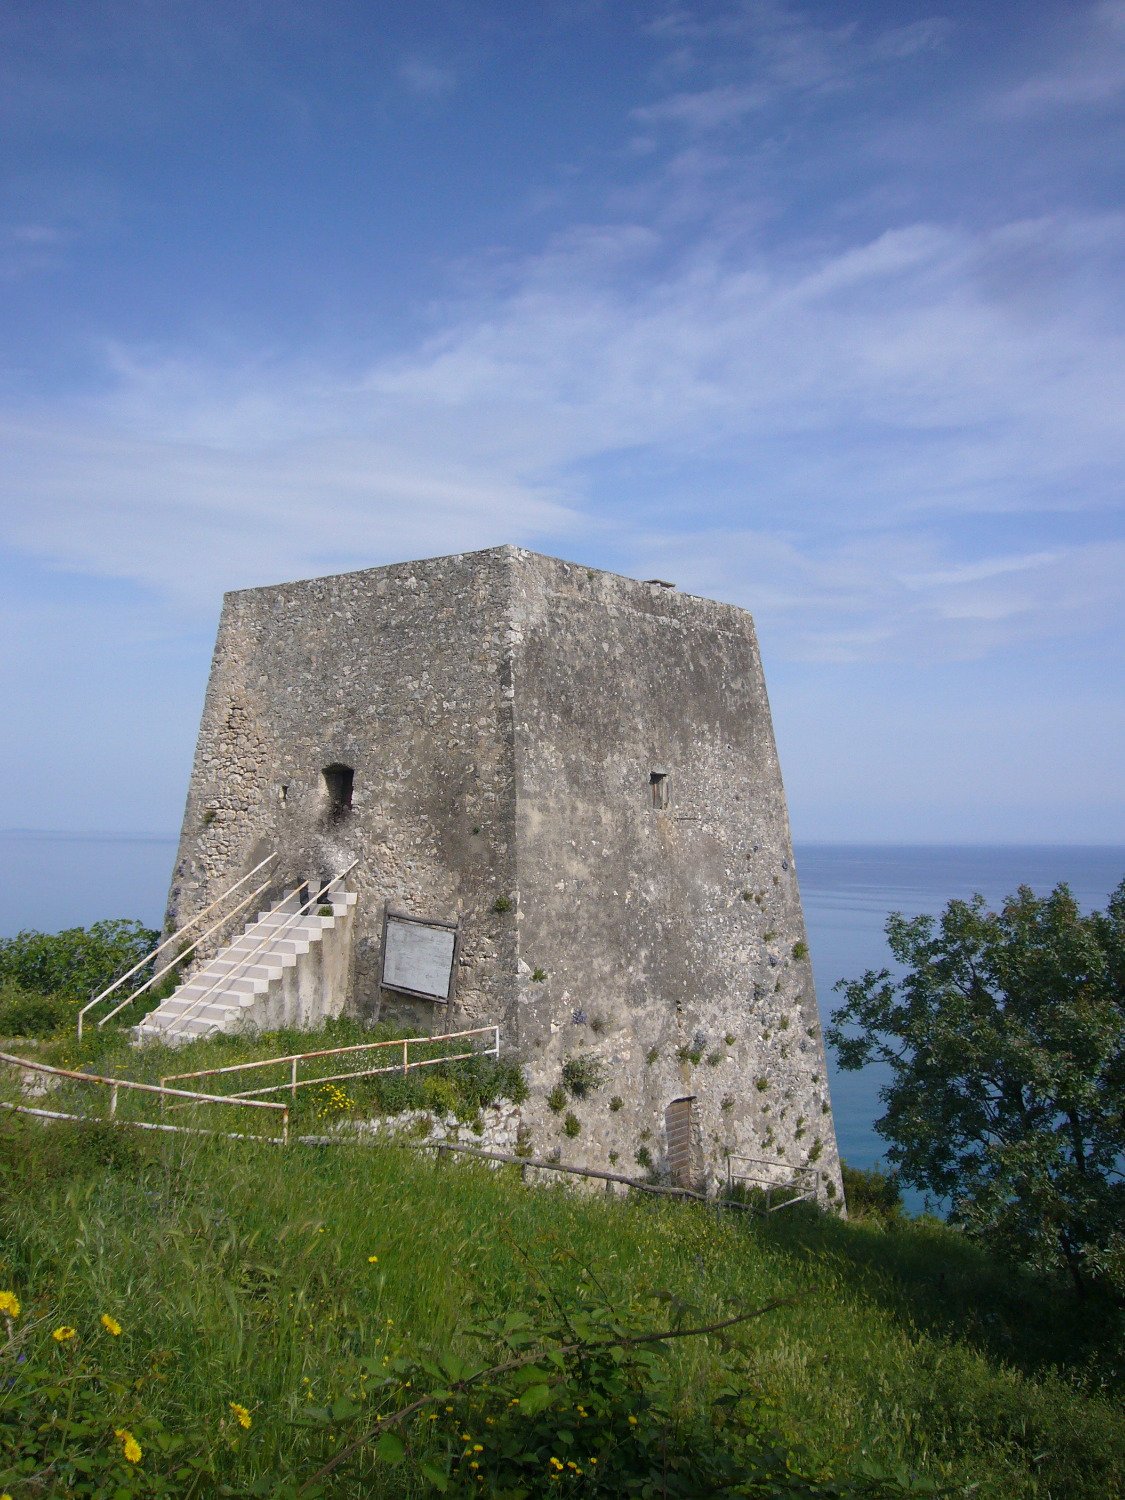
(427, 79)
(710, 109)
(1092, 74)
(869, 407)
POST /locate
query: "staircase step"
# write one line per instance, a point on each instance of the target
(245, 981)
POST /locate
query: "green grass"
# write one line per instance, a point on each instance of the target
(241, 1272)
(455, 1088)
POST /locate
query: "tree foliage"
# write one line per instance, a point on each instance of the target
(46, 976)
(1005, 1041)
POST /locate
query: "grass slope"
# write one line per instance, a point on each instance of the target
(242, 1273)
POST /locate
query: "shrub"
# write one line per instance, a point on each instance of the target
(77, 963)
(583, 1074)
(800, 950)
(501, 905)
(572, 1125)
(616, 1103)
(24, 1013)
(871, 1194)
(556, 1099)
(538, 976)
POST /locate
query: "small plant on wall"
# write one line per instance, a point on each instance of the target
(583, 1074)
(556, 1099)
(572, 1126)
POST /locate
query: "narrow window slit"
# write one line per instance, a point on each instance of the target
(338, 783)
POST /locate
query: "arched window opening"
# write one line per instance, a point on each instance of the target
(338, 783)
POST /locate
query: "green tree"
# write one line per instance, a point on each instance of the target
(1004, 1037)
(77, 963)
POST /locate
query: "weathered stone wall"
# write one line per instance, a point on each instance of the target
(504, 713)
(404, 674)
(670, 941)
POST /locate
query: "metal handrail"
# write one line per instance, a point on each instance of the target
(167, 969)
(801, 1182)
(115, 1084)
(272, 935)
(128, 974)
(294, 1059)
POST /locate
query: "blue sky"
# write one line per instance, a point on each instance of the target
(812, 307)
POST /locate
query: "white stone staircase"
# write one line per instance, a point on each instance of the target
(288, 968)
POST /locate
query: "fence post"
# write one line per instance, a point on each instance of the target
(405, 1059)
(113, 1102)
(293, 1078)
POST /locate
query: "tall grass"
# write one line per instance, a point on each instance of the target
(241, 1272)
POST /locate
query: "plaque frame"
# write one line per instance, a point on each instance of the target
(394, 914)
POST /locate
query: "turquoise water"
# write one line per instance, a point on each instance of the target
(49, 881)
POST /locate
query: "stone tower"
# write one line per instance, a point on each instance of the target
(575, 770)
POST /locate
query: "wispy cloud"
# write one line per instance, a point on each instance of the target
(427, 79)
(881, 440)
(707, 110)
(1090, 74)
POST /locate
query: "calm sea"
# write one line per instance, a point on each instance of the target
(50, 881)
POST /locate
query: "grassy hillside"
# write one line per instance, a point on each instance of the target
(279, 1288)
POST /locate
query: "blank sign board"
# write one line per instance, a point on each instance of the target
(418, 956)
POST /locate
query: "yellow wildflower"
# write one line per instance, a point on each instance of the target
(10, 1304)
(241, 1413)
(478, 1448)
(372, 1260)
(129, 1445)
(632, 1420)
(111, 1325)
(62, 1333)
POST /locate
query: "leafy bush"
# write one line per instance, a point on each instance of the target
(579, 1400)
(24, 1013)
(556, 1099)
(572, 1125)
(582, 1074)
(77, 963)
(871, 1194)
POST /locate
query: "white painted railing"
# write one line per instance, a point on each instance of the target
(168, 941)
(294, 1059)
(116, 1085)
(799, 1182)
(271, 936)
